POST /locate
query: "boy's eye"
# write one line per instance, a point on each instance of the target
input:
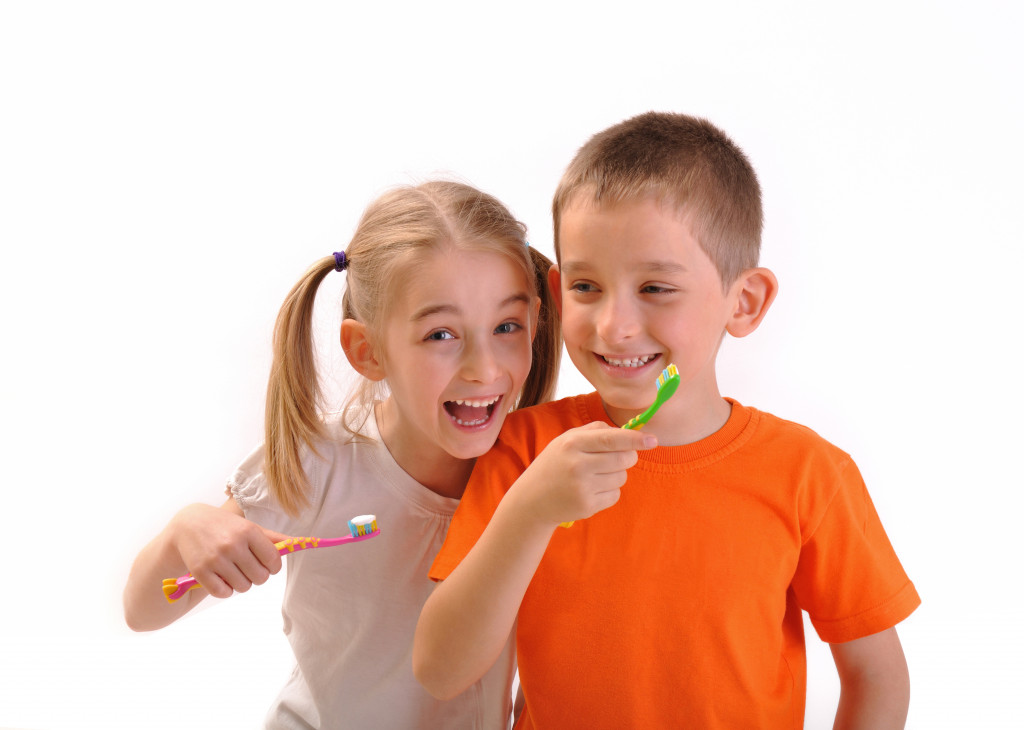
(440, 335)
(655, 289)
(583, 287)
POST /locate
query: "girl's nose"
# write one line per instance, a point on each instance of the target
(480, 362)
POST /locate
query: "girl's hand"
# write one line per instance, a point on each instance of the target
(579, 473)
(224, 551)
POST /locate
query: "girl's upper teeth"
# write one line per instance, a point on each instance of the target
(629, 363)
(479, 403)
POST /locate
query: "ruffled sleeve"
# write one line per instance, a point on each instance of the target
(250, 488)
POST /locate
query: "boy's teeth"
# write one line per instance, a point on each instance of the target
(631, 363)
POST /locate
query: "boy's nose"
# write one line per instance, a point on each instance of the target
(617, 320)
(480, 363)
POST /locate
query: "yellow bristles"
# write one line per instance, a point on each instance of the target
(667, 373)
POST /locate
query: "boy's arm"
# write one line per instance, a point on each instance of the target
(222, 549)
(874, 682)
(467, 620)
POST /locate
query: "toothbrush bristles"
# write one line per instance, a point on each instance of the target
(667, 373)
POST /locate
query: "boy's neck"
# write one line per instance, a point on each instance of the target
(683, 419)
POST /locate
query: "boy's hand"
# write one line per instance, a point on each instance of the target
(224, 551)
(580, 473)
(468, 618)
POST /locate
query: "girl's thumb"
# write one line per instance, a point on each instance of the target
(275, 536)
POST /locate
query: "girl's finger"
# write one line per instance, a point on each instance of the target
(236, 579)
(213, 584)
(265, 551)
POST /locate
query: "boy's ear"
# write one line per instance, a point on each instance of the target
(534, 318)
(754, 292)
(359, 350)
(555, 286)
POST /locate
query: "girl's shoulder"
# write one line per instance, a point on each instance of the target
(337, 451)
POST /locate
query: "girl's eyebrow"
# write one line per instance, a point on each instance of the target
(432, 309)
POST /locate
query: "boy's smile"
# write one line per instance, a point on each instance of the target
(637, 293)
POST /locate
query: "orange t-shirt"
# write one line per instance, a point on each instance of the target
(681, 605)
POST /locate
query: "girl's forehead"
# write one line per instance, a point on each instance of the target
(426, 264)
(464, 274)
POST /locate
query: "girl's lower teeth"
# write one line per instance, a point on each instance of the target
(470, 423)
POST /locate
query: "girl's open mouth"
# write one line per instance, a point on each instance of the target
(471, 413)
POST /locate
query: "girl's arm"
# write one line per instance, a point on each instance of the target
(874, 682)
(467, 620)
(223, 550)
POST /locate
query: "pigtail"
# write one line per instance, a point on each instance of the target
(547, 343)
(293, 393)
(394, 231)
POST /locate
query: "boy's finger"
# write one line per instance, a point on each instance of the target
(619, 439)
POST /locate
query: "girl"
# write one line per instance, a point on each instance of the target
(443, 305)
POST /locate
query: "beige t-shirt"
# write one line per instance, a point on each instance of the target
(350, 612)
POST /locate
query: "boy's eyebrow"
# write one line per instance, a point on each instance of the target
(432, 309)
(654, 267)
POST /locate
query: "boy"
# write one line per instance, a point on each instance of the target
(681, 605)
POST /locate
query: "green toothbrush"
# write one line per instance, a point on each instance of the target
(667, 382)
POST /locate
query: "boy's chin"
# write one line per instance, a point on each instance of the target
(622, 413)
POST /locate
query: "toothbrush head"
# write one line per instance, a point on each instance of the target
(362, 525)
(667, 382)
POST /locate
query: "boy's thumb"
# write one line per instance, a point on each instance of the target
(647, 440)
(636, 440)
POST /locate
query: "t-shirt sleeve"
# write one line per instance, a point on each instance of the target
(849, 579)
(493, 475)
(251, 490)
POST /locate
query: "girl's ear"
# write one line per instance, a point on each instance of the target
(360, 351)
(555, 286)
(754, 291)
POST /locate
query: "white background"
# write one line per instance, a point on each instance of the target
(168, 170)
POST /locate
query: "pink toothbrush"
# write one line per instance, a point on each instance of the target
(362, 528)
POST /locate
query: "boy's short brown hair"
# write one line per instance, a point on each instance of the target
(684, 161)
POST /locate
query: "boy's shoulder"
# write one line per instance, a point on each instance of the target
(544, 422)
(783, 439)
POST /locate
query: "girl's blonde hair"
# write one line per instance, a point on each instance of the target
(399, 229)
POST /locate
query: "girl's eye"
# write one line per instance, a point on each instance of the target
(507, 328)
(582, 287)
(440, 335)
